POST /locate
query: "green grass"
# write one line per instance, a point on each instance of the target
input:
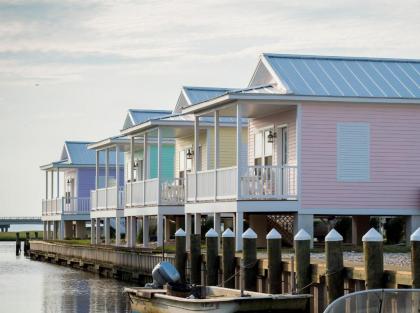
(83, 242)
(11, 235)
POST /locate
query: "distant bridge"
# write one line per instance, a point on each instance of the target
(5, 222)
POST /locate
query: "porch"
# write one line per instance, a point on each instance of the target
(63, 205)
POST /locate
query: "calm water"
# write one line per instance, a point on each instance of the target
(32, 286)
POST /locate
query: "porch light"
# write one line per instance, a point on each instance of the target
(189, 154)
(136, 164)
(68, 182)
(271, 136)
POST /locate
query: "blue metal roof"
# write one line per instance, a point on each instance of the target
(78, 153)
(140, 116)
(347, 76)
(200, 94)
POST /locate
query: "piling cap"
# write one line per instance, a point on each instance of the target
(416, 235)
(180, 233)
(372, 235)
(212, 233)
(228, 233)
(333, 235)
(249, 234)
(273, 234)
(302, 235)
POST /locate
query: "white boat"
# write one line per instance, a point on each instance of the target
(216, 300)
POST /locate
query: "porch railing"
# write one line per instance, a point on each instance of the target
(106, 198)
(257, 182)
(141, 193)
(62, 205)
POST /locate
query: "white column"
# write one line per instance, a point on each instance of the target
(145, 166)
(197, 223)
(131, 169)
(216, 152)
(106, 177)
(196, 150)
(216, 223)
(239, 229)
(159, 161)
(133, 231)
(52, 184)
(98, 231)
(46, 185)
(117, 231)
(239, 160)
(117, 176)
(58, 182)
(145, 230)
(128, 230)
(188, 218)
(306, 222)
(92, 231)
(97, 179)
(159, 230)
(45, 230)
(55, 226)
(107, 230)
(61, 230)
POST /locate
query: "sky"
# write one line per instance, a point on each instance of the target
(69, 70)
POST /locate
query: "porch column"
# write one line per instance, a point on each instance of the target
(145, 230)
(92, 231)
(117, 231)
(106, 177)
(188, 218)
(145, 166)
(133, 231)
(239, 158)
(239, 229)
(52, 184)
(131, 169)
(45, 237)
(159, 161)
(197, 223)
(159, 230)
(117, 177)
(46, 185)
(107, 231)
(55, 230)
(98, 231)
(196, 150)
(58, 182)
(216, 152)
(96, 177)
(81, 229)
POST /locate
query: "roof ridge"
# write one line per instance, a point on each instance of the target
(149, 110)
(208, 88)
(331, 57)
(77, 141)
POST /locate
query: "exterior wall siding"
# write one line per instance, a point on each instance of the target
(284, 118)
(85, 181)
(394, 180)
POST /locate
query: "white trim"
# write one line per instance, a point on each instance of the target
(361, 211)
(241, 206)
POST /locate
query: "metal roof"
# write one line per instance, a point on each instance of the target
(138, 116)
(346, 76)
(77, 152)
(200, 94)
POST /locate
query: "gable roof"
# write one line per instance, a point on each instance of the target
(326, 76)
(192, 95)
(77, 153)
(137, 116)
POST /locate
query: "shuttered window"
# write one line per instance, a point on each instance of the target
(353, 152)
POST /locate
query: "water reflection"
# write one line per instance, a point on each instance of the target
(29, 286)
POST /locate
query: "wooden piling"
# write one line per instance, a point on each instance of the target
(36, 235)
(249, 269)
(373, 259)
(228, 258)
(195, 259)
(415, 258)
(180, 253)
(18, 245)
(275, 269)
(334, 263)
(303, 261)
(212, 257)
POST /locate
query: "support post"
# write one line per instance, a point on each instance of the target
(98, 231)
(275, 269)
(145, 230)
(239, 161)
(117, 177)
(131, 169)
(180, 253)
(212, 257)
(228, 258)
(334, 263)
(81, 229)
(197, 223)
(216, 151)
(373, 259)
(249, 268)
(159, 230)
(159, 164)
(303, 261)
(118, 231)
(62, 229)
(195, 259)
(92, 231)
(196, 150)
(133, 231)
(188, 218)
(239, 229)
(415, 258)
(55, 230)
(45, 235)
(107, 231)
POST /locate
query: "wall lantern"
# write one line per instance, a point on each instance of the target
(189, 154)
(136, 164)
(271, 136)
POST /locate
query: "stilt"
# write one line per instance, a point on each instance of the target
(239, 229)
(146, 235)
(107, 231)
(117, 231)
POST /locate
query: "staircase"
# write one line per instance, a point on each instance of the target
(284, 225)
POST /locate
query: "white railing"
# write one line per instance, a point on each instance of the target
(172, 191)
(141, 193)
(106, 198)
(62, 205)
(270, 182)
(257, 182)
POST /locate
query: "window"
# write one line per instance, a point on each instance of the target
(263, 150)
(353, 152)
(184, 163)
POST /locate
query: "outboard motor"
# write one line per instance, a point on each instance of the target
(164, 273)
